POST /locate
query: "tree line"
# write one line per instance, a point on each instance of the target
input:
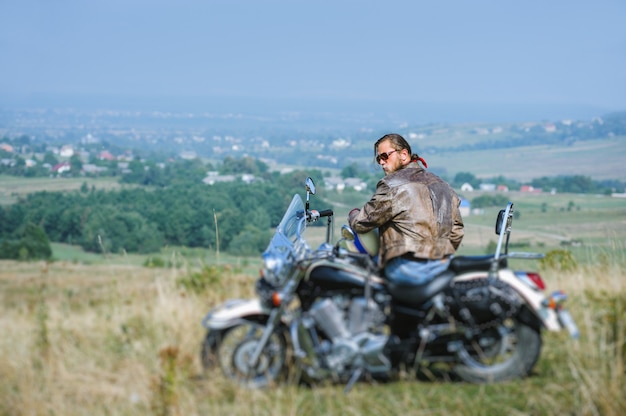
(172, 206)
(235, 216)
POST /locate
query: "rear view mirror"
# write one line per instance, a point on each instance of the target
(500, 221)
(310, 186)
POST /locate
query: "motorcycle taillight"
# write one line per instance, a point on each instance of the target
(532, 279)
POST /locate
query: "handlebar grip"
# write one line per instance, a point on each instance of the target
(326, 213)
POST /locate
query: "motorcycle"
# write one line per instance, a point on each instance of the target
(327, 314)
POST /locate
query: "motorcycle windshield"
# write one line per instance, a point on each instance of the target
(288, 227)
(285, 243)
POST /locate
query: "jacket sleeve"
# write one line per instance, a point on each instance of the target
(457, 232)
(376, 212)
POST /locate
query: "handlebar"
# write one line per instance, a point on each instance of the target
(326, 213)
(314, 215)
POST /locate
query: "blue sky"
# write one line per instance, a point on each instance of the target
(483, 52)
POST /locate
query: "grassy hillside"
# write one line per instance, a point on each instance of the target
(598, 159)
(124, 340)
(11, 187)
(94, 335)
(546, 222)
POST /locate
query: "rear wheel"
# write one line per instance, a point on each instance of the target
(507, 351)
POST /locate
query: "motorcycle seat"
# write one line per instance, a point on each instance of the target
(415, 295)
(463, 264)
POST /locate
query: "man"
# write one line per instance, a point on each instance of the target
(416, 212)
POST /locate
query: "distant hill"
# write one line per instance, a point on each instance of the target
(520, 150)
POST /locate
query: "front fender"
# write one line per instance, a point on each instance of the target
(232, 311)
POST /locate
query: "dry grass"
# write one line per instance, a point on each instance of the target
(124, 340)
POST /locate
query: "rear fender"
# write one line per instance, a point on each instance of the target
(232, 312)
(533, 298)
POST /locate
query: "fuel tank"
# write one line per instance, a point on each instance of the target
(341, 276)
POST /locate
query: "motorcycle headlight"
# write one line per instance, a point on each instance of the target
(274, 270)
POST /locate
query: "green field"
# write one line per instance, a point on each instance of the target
(599, 159)
(94, 334)
(12, 187)
(546, 222)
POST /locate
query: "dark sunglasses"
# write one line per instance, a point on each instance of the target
(384, 156)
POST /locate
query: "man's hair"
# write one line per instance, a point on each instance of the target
(398, 143)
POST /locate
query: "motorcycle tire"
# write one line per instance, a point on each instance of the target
(208, 350)
(508, 351)
(234, 346)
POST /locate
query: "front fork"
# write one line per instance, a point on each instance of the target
(280, 301)
(272, 322)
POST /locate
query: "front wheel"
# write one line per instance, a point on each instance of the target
(507, 351)
(238, 344)
(210, 344)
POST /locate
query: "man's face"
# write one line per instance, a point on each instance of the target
(394, 157)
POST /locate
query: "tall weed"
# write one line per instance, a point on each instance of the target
(125, 340)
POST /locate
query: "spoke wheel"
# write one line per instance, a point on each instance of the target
(237, 348)
(505, 352)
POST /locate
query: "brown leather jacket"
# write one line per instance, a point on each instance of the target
(416, 212)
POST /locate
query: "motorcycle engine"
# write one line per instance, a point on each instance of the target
(353, 328)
